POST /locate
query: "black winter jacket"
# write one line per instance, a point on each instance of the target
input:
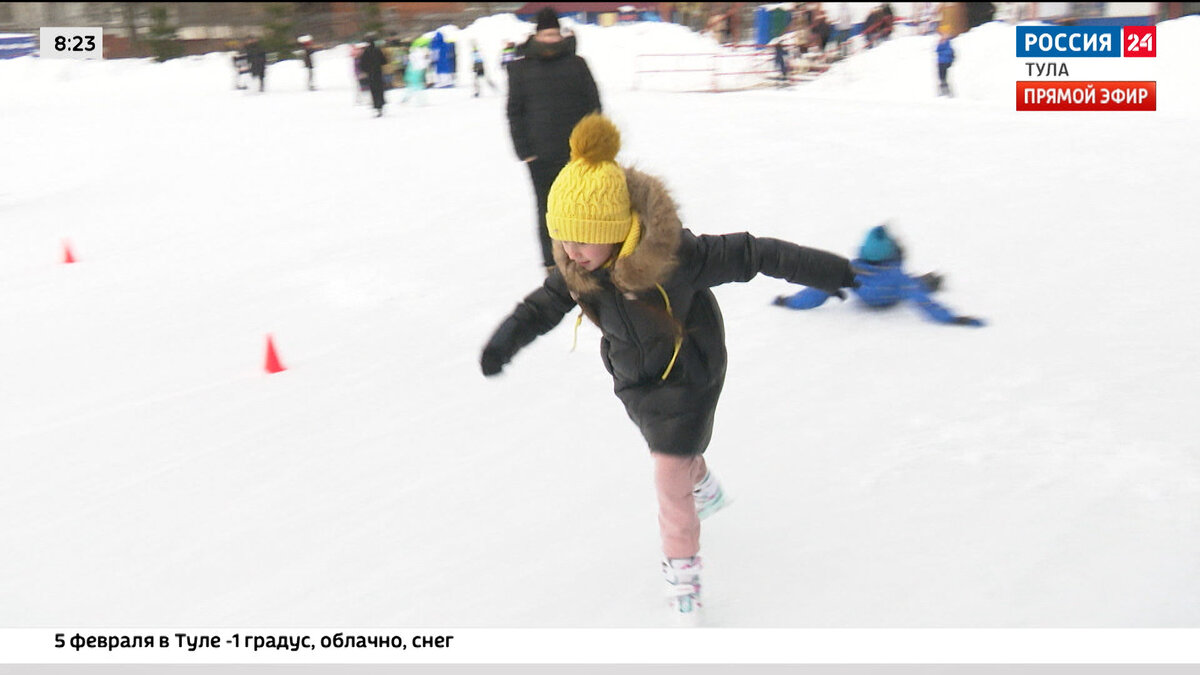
(549, 91)
(675, 415)
(258, 60)
(371, 62)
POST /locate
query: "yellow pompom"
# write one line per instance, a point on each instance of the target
(595, 139)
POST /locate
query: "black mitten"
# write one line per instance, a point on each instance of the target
(500, 349)
(492, 362)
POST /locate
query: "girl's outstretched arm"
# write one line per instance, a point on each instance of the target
(536, 315)
(721, 259)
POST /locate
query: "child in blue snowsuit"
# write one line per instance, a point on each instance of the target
(945, 58)
(882, 282)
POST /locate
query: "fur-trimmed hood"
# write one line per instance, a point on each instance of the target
(653, 261)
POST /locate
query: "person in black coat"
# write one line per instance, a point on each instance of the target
(371, 62)
(258, 63)
(622, 255)
(549, 91)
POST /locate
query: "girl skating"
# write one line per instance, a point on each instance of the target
(623, 256)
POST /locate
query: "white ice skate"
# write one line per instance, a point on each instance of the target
(709, 496)
(683, 588)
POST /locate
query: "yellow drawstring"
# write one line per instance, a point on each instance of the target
(575, 335)
(678, 335)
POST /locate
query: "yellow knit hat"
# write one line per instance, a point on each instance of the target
(589, 201)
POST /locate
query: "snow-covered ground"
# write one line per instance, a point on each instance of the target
(1043, 471)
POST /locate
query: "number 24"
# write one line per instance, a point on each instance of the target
(1145, 42)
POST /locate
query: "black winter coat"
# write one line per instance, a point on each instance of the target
(371, 62)
(549, 91)
(258, 60)
(675, 415)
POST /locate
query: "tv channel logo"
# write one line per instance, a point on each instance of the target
(1056, 42)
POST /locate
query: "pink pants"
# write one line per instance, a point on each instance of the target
(674, 478)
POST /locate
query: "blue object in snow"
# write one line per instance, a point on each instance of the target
(443, 54)
(884, 285)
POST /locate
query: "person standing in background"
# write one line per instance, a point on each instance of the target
(258, 64)
(945, 58)
(414, 74)
(480, 71)
(306, 42)
(360, 77)
(241, 66)
(549, 91)
(781, 62)
(371, 62)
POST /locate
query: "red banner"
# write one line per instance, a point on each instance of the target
(1058, 95)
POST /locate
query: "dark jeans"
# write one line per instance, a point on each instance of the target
(543, 172)
(377, 98)
(943, 85)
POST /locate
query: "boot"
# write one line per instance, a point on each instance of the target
(709, 496)
(683, 586)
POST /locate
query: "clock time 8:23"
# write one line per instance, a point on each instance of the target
(75, 43)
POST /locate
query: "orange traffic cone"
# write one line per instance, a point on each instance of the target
(68, 257)
(273, 365)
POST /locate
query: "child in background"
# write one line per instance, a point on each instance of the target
(781, 62)
(414, 75)
(241, 67)
(360, 75)
(623, 256)
(882, 282)
(480, 73)
(945, 58)
(308, 48)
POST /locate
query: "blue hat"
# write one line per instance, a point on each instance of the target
(879, 246)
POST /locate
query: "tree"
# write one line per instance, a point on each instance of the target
(164, 44)
(280, 28)
(372, 21)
